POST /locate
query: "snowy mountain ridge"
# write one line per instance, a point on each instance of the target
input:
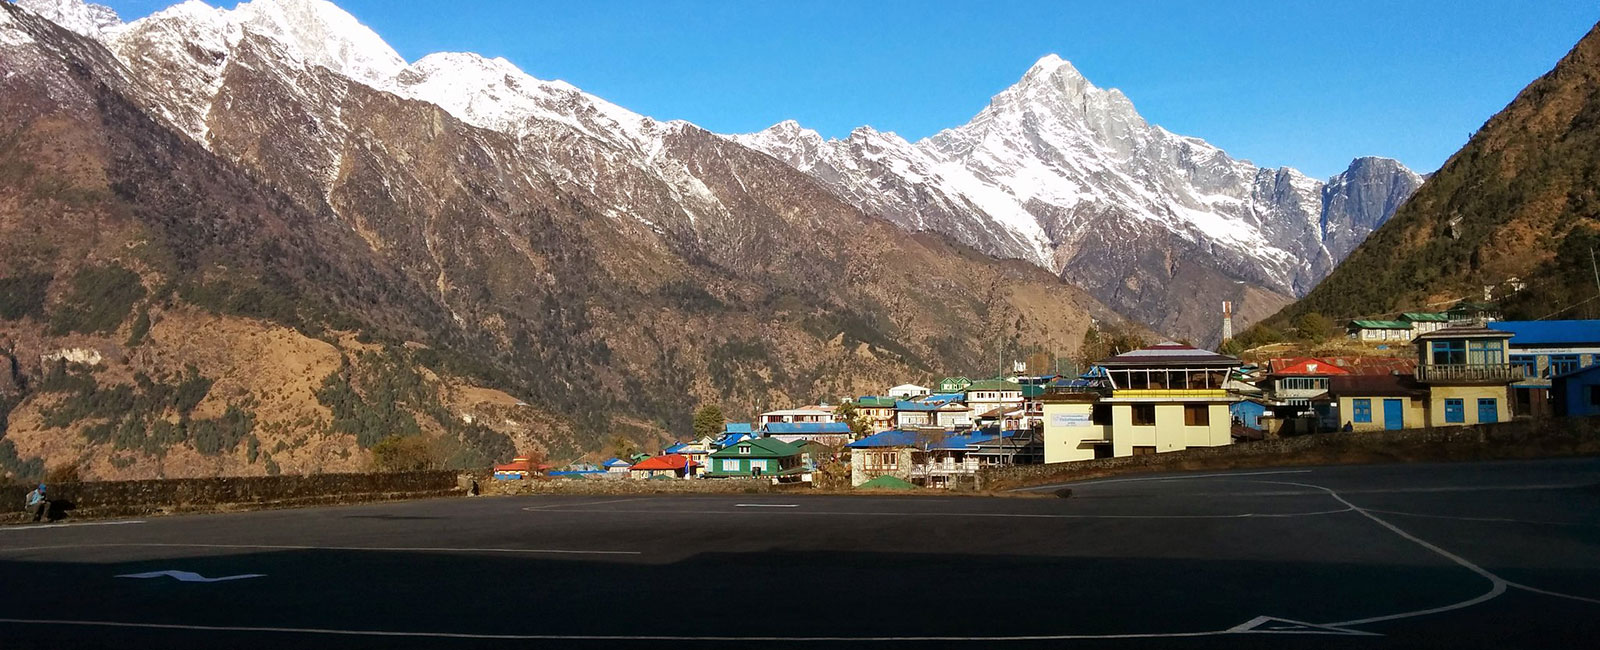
(1055, 170)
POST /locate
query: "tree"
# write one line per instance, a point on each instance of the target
(1313, 326)
(1103, 342)
(708, 421)
(849, 414)
(406, 454)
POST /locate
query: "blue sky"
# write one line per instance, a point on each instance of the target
(1305, 84)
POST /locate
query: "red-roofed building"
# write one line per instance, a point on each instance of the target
(665, 466)
(519, 468)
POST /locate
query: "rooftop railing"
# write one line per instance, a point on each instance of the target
(1470, 373)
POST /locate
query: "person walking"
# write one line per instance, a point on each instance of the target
(39, 504)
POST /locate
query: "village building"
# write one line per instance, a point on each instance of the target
(1468, 372)
(953, 415)
(808, 414)
(1380, 331)
(829, 433)
(882, 454)
(1297, 397)
(1545, 350)
(1163, 398)
(948, 461)
(1380, 402)
(1424, 322)
(877, 411)
(664, 466)
(907, 391)
(954, 384)
(990, 394)
(1576, 393)
(519, 468)
(757, 458)
(1010, 448)
(616, 467)
(908, 415)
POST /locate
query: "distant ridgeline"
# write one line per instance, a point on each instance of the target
(1515, 213)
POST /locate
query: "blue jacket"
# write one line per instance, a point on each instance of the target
(34, 498)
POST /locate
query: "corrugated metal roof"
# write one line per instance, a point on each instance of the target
(994, 384)
(738, 427)
(669, 461)
(1425, 317)
(1170, 353)
(870, 401)
(1381, 324)
(1550, 332)
(759, 448)
(1466, 331)
(915, 406)
(892, 438)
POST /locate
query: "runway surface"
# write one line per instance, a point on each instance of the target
(1473, 555)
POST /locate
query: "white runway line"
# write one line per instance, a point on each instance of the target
(767, 505)
(613, 637)
(24, 527)
(1557, 594)
(1497, 520)
(987, 515)
(286, 547)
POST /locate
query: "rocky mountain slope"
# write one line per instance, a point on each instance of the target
(1517, 207)
(229, 237)
(1069, 177)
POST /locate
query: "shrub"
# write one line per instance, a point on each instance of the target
(405, 454)
(23, 296)
(99, 300)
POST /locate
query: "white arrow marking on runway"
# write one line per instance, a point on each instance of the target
(187, 576)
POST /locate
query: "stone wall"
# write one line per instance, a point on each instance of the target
(601, 486)
(136, 498)
(1542, 438)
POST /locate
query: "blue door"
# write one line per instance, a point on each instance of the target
(1394, 414)
(1488, 410)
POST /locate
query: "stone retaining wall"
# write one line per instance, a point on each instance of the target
(136, 498)
(1542, 438)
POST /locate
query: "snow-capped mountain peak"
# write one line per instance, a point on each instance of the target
(87, 19)
(320, 33)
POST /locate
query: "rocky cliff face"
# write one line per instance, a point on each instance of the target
(347, 247)
(1508, 214)
(1069, 177)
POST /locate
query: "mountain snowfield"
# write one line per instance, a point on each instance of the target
(1054, 171)
(1054, 164)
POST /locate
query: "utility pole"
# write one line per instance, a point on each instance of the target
(1596, 268)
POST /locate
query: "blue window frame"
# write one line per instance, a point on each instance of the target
(1562, 364)
(1450, 353)
(1363, 410)
(1528, 363)
(1455, 411)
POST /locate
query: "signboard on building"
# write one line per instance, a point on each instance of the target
(1071, 420)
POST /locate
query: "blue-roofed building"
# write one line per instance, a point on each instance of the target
(738, 427)
(882, 454)
(930, 458)
(1247, 413)
(1577, 393)
(914, 414)
(616, 467)
(1543, 350)
(833, 434)
(675, 449)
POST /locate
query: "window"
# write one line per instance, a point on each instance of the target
(730, 465)
(1561, 364)
(1486, 353)
(1594, 396)
(744, 450)
(1144, 415)
(1302, 383)
(1454, 411)
(1363, 410)
(1529, 364)
(1101, 414)
(1449, 353)
(1197, 415)
(1144, 451)
(758, 465)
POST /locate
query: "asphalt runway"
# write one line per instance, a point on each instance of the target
(1479, 555)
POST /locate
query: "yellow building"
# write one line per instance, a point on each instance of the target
(1468, 372)
(1380, 402)
(1167, 397)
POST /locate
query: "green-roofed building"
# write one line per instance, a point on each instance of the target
(954, 385)
(756, 457)
(1380, 331)
(1424, 322)
(887, 482)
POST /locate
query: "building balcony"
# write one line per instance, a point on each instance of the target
(963, 469)
(1176, 393)
(1470, 373)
